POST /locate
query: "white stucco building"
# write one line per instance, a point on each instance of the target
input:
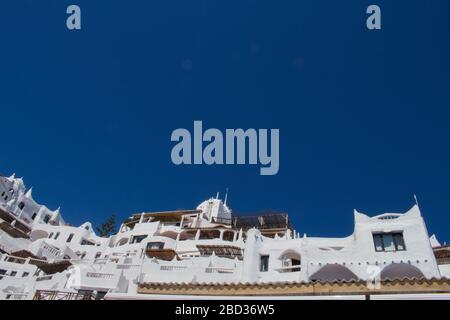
(41, 256)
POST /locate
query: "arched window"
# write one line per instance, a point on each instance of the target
(122, 242)
(290, 261)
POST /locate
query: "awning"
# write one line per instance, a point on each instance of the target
(162, 254)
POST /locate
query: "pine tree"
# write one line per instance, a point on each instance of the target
(108, 227)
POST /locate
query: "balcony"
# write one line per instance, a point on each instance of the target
(59, 295)
(16, 296)
(13, 231)
(442, 254)
(289, 269)
(162, 254)
(222, 220)
(219, 270)
(173, 268)
(99, 275)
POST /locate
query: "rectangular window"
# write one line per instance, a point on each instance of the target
(13, 273)
(155, 245)
(389, 242)
(85, 242)
(399, 242)
(70, 237)
(46, 219)
(25, 274)
(138, 239)
(57, 235)
(378, 240)
(264, 264)
(34, 216)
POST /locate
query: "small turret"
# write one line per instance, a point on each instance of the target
(29, 194)
(215, 209)
(56, 217)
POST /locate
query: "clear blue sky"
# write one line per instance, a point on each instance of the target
(86, 116)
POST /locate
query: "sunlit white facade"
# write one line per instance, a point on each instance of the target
(40, 252)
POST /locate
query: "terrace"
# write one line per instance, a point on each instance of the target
(14, 223)
(220, 251)
(442, 254)
(163, 216)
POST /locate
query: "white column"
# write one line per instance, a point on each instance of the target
(250, 265)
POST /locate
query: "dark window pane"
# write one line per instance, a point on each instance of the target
(264, 266)
(388, 242)
(399, 242)
(378, 242)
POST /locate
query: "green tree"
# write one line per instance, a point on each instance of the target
(108, 227)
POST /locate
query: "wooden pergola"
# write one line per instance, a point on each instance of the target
(51, 267)
(9, 218)
(442, 254)
(13, 231)
(25, 254)
(220, 250)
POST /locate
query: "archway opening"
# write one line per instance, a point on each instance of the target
(290, 261)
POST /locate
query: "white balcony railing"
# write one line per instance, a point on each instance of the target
(44, 278)
(17, 296)
(289, 269)
(172, 268)
(219, 270)
(99, 275)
